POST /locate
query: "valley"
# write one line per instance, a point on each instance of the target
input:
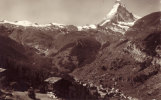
(116, 59)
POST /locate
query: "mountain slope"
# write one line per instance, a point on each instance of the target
(131, 65)
(76, 54)
(144, 26)
(22, 65)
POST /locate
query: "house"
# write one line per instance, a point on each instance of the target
(2, 70)
(50, 81)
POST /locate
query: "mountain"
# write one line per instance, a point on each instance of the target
(144, 26)
(22, 65)
(119, 19)
(76, 54)
(50, 38)
(131, 65)
(146, 31)
(63, 43)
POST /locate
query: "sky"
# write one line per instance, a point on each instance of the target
(75, 12)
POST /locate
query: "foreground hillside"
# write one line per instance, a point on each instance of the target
(22, 65)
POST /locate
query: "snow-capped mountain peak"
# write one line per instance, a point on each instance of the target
(24, 23)
(118, 1)
(19, 23)
(119, 13)
(86, 27)
(114, 10)
(119, 19)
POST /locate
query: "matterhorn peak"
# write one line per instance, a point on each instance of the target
(119, 13)
(118, 1)
(114, 10)
(119, 19)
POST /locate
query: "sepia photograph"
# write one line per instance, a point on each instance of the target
(80, 49)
